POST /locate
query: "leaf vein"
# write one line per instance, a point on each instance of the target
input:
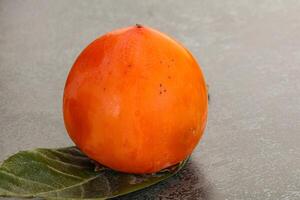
(70, 155)
(25, 179)
(63, 173)
(71, 186)
(58, 161)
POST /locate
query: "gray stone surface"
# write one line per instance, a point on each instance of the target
(249, 52)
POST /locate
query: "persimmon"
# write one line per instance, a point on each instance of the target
(135, 100)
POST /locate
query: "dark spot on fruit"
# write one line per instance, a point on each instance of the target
(160, 85)
(169, 77)
(165, 90)
(129, 65)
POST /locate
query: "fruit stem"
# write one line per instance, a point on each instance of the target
(138, 26)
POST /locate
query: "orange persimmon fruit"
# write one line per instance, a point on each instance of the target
(135, 101)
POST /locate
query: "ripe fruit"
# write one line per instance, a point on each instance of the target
(135, 100)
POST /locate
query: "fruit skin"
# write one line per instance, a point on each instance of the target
(135, 100)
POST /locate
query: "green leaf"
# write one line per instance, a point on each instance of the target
(66, 173)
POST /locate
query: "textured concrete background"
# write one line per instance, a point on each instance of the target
(249, 52)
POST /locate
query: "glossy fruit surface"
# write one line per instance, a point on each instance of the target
(135, 100)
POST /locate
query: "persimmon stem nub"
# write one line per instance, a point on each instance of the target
(138, 25)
